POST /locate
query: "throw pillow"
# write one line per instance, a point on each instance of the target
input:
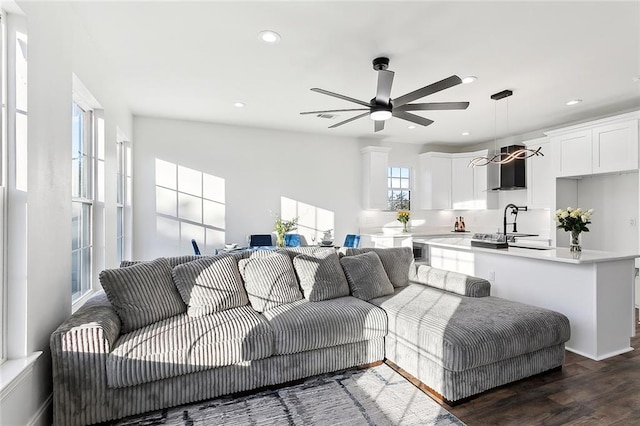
(270, 280)
(321, 276)
(211, 284)
(173, 261)
(366, 276)
(453, 282)
(398, 263)
(142, 294)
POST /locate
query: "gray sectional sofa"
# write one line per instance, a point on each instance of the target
(171, 331)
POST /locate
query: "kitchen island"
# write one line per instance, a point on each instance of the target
(595, 290)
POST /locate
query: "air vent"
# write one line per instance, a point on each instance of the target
(327, 116)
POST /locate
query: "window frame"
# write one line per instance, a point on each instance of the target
(394, 189)
(4, 137)
(86, 198)
(121, 196)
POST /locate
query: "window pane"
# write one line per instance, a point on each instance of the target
(395, 183)
(86, 270)
(389, 171)
(76, 222)
(86, 225)
(75, 273)
(120, 221)
(404, 172)
(404, 183)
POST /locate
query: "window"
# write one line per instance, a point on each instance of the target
(3, 192)
(82, 160)
(398, 188)
(121, 190)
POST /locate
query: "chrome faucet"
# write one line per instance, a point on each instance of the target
(514, 211)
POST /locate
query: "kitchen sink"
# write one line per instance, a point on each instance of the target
(531, 247)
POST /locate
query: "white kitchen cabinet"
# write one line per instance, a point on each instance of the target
(447, 182)
(435, 180)
(540, 178)
(375, 161)
(573, 153)
(615, 147)
(604, 146)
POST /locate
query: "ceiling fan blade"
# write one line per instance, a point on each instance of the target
(349, 120)
(339, 96)
(433, 106)
(412, 118)
(385, 80)
(334, 110)
(378, 125)
(448, 82)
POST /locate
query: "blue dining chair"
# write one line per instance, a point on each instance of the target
(292, 240)
(352, 241)
(196, 250)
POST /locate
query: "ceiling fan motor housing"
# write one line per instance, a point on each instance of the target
(380, 64)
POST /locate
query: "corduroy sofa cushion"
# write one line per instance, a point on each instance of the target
(183, 344)
(142, 294)
(453, 282)
(304, 325)
(210, 284)
(461, 332)
(173, 260)
(270, 280)
(366, 276)
(321, 276)
(398, 262)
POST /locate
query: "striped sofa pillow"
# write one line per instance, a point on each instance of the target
(270, 280)
(142, 294)
(211, 284)
(321, 276)
(366, 276)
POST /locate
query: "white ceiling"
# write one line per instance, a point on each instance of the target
(192, 60)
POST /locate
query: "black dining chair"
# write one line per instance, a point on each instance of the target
(260, 240)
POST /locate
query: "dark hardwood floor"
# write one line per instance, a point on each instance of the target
(584, 392)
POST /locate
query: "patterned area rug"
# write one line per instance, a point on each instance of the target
(375, 396)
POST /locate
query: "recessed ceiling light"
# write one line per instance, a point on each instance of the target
(465, 133)
(269, 37)
(469, 79)
(239, 104)
(574, 102)
(411, 127)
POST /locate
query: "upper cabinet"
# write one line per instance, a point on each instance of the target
(434, 180)
(375, 161)
(602, 146)
(540, 178)
(447, 182)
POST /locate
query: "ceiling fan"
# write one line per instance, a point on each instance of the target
(382, 107)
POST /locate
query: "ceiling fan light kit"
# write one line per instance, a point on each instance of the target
(504, 156)
(383, 107)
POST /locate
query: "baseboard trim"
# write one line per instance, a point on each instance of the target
(39, 418)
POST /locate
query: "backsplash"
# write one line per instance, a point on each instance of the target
(534, 221)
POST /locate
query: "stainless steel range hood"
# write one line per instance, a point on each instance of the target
(513, 174)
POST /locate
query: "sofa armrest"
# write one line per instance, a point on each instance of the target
(79, 350)
(454, 282)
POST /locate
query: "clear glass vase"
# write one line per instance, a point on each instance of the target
(575, 242)
(404, 227)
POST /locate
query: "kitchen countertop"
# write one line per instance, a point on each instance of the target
(554, 254)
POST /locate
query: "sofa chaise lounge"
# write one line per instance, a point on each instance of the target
(176, 330)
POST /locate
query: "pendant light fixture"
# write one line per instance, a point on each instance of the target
(503, 157)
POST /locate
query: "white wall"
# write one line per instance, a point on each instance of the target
(257, 168)
(614, 199)
(41, 273)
